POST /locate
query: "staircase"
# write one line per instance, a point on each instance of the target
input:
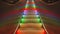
(30, 23)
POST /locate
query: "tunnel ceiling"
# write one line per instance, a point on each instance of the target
(10, 1)
(55, 8)
(49, 2)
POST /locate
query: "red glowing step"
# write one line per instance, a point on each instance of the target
(19, 32)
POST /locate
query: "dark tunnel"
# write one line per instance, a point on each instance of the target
(29, 16)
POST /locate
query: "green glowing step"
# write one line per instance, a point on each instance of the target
(30, 20)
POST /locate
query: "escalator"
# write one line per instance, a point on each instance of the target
(30, 22)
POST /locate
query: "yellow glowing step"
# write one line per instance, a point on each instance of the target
(31, 25)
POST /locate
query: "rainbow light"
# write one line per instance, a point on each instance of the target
(37, 15)
(26, 6)
(36, 12)
(22, 20)
(34, 6)
(38, 19)
(25, 12)
(23, 16)
(27, 1)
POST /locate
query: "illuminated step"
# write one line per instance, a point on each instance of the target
(30, 16)
(35, 19)
(30, 20)
(32, 31)
(41, 31)
(31, 12)
(32, 26)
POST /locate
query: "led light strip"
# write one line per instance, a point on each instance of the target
(34, 7)
(26, 4)
(26, 7)
(40, 17)
(25, 12)
(35, 10)
(33, 4)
